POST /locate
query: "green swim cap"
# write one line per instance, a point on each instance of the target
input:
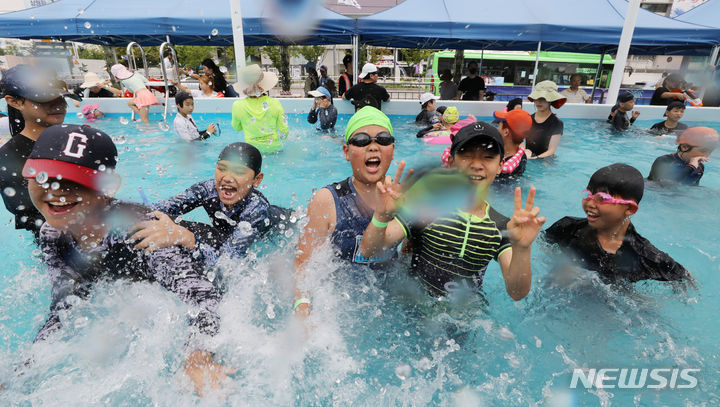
(451, 115)
(367, 116)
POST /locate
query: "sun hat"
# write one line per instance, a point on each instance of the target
(426, 97)
(477, 130)
(80, 154)
(91, 79)
(451, 115)
(518, 120)
(367, 69)
(548, 90)
(320, 92)
(120, 72)
(253, 75)
(367, 116)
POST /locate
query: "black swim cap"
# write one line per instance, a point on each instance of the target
(514, 102)
(243, 153)
(618, 179)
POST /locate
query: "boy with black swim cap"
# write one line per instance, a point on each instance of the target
(71, 181)
(239, 212)
(35, 102)
(605, 240)
(451, 250)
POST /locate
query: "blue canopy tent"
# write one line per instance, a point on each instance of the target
(706, 14)
(569, 25)
(187, 22)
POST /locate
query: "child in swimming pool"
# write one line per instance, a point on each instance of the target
(426, 116)
(239, 212)
(184, 125)
(138, 85)
(452, 251)
(71, 181)
(605, 240)
(686, 165)
(92, 112)
(449, 117)
(323, 109)
(260, 117)
(618, 115)
(674, 112)
(514, 126)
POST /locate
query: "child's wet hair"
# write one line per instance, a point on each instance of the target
(181, 97)
(620, 180)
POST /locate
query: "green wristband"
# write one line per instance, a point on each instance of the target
(379, 224)
(300, 301)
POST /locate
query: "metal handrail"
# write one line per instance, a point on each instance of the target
(164, 73)
(133, 65)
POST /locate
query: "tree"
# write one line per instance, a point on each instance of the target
(9, 50)
(192, 55)
(311, 52)
(415, 57)
(280, 58)
(90, 53)
(376, 53)
(458, 65)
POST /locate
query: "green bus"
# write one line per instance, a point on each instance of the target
(515, 68)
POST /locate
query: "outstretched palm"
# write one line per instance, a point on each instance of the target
(525, 224)
(390, 193)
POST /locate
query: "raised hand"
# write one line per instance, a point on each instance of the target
(204, 372)
(525, 224)
(389, 192)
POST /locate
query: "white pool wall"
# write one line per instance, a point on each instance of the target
(409, 107)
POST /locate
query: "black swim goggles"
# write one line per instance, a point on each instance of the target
(363, 139)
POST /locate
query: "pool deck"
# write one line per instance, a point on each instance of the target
(409, 107)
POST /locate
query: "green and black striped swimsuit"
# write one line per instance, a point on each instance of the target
(453, 251)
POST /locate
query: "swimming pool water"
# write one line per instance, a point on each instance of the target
(375, 339)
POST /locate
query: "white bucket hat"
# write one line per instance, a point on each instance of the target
(91, 79)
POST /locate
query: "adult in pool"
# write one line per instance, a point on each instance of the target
(340, 212)
(547, 129)
(85, 237)
(35, 102)
(260, 117)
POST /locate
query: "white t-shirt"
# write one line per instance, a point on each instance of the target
(4, 125)
(169, 69)
(575, 97)
(198, 94)
(185, 128)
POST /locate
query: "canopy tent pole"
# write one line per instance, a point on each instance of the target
(395, 66)
(482, 57)
(623, 50)
(238, 39)
(356, 53)
(714, 55)
(597, 76)
(537, 61)
(334, 66)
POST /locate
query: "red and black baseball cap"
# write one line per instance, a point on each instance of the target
(480, 132)
(80, 154)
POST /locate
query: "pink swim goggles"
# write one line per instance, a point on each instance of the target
(603, 198)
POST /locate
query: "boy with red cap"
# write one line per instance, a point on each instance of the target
(514, 126)
(686, 166)
(71, 181)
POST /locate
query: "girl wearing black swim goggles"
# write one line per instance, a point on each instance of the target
(363, 139)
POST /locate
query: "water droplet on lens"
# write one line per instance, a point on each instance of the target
(174, 28)
(120, 140)
(214, 32)
(9, 191)
(265, 106)
(163, 126)
(59, 177)
(36, 252)
(506, 334)
(403, 371)
(211, 276)
(289, 233)
(124, 120)
(62, 199)
(79, 115)
(42, 177)
(102, 167)
(31, 171)
(87, 25)
(55, 185)
(39, 222)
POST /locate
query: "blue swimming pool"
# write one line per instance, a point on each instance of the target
(375, 339)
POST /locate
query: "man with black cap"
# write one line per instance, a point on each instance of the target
(35, 102)
(72, 181)
(453, 248)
